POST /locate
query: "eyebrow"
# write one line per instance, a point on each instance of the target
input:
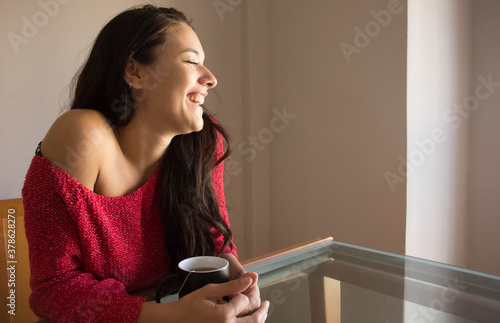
(190, 50)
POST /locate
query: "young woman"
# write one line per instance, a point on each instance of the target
(129, 182)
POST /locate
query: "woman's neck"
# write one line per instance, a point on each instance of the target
(142, 145)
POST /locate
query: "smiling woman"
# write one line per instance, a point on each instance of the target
(146, 190)
(173, 103)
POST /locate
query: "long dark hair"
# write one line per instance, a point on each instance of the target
(188, 203)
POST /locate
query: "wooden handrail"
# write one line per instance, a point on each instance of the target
(286, 250)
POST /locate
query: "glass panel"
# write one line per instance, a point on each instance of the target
(336, 281)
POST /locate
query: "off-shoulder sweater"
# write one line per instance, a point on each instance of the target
(88, 253)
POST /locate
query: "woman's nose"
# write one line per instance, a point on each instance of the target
(208, 79)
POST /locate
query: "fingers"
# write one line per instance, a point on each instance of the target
(253, 295)
(238, 305)
(231, 288)
(241, 303)
(260, 315)
(254, 276)
(262, 311)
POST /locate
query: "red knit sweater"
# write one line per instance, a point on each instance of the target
(89, 252)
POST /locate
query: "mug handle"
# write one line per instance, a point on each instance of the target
(158, 294)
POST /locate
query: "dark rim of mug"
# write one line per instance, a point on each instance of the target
(226, 265)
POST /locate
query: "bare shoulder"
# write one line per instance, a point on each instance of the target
(77, 143)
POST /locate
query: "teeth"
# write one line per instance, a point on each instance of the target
(197, 99)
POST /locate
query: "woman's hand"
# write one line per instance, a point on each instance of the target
(242, 305)
(253, 295)
(206, 305)
(236, 271)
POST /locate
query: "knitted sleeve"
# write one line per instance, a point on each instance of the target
(218, 183)
(61, 291)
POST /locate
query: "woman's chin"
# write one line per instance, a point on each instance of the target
(197, 125)
(198, 122)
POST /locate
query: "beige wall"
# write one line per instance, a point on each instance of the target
(484, 145)
(328, 164)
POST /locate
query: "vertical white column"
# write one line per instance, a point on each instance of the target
(439, 81)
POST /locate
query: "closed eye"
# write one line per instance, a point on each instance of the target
(191, 62)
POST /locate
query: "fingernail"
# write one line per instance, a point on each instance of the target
(245, 280)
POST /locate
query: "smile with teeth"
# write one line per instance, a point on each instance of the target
(196, 98)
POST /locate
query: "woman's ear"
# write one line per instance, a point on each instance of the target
(133, 74)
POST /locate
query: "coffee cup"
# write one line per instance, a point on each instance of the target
(194, 273)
